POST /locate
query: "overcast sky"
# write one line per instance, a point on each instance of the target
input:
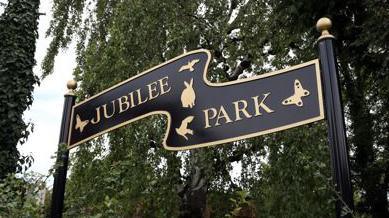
(46, 110)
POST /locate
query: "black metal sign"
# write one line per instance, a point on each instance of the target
(201, 113)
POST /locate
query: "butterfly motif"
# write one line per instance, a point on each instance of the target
(299, 92)
(80, 124)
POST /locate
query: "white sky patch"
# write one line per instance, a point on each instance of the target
(235, 12)
(46, 110)
(202, 8)
(291, 53)
(236, 171)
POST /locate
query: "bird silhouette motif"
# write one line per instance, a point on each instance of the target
(80, 124)
(183, 129)
(189, 66)
(299, 92)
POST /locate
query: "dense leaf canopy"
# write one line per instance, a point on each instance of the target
(18, 34)
(128, 172)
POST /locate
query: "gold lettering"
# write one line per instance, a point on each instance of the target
(163, 83)
(258, 105)
(153, 89)
(243, 110)
(105, 110)
(132, 99)
(93, 121)
(123, 101)
(222, 114)
(140, 97)
(208, 117)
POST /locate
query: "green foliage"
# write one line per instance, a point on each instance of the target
(360, 29)
(19, 197)
(129, 179)
(128, 172)
(305, 183)
(18, 33)
(243, 207)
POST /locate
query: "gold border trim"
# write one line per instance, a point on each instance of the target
(172, 148)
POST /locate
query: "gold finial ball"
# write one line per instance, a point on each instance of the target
(323, 24)
(72, 84)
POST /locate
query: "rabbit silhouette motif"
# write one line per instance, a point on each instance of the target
(188, 95)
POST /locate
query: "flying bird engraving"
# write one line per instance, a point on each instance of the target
(189, 66)
(80, 124)
(299, 92)
(183, 130)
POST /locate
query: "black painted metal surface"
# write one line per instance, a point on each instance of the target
(336, 126)
(222, 124)
(57, 199)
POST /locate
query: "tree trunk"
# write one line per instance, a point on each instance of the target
(375, 200)
(194, 192)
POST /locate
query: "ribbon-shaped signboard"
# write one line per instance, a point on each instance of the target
(201, 113)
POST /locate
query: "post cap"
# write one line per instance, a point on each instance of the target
(72, 85)
(323, 25)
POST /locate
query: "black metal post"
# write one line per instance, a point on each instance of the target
(335, 120)
(57, 198)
